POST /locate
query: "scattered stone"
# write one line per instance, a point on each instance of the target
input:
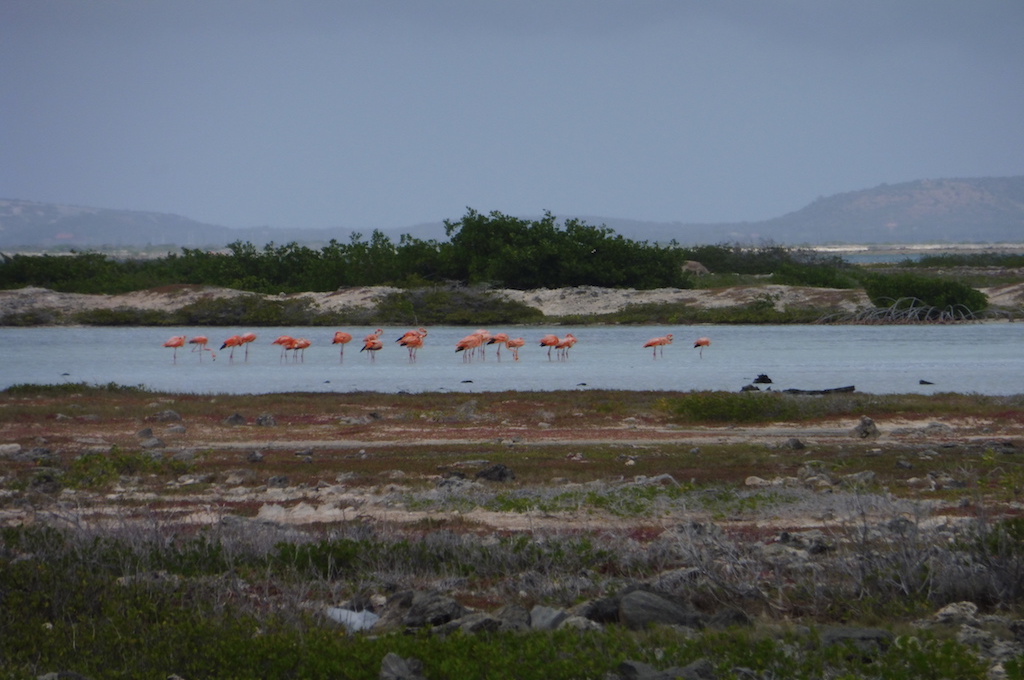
(546, 618)
(640, 609)
(177, 429)
(394, 667)
(278, 482)
(496, 473)
(9, 449)
(255, 457)
(152, 443)
(167, 416)
(795, 444)
(867, 640)
(144, 433)
(236, 419)
(866, 429)
(266, 420)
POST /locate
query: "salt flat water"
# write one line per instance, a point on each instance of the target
(984, 358)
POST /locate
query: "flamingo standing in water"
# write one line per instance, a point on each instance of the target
(565, 344)
(469, 345)
(200, 342)
(341, 338)
(413, 340)
(702, 343)
(246, 339)
(659, 344)
(284, 341)
(499, 339)
(514, 344)
(175, 342)
(232, 342)
(299, 345)
(372, 344)
(551, 340)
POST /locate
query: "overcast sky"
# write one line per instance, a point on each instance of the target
(383, 114)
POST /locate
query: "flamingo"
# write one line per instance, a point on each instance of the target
(373, 336)
(372, 345)
(299, 345)
(413, 340)
(471, 342)
(232, 342)
(500, 339)
(284, 341)
(702, 343)
(514, 344)
(549, 341)
(175, 342)
(565, 344)
(200, 342)
(342, 338)
(485, 337)
(659, 343)
(246, 339)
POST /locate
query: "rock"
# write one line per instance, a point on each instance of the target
(730, 617)
(353, 621)
(513, 617)
(858, 478)
(177, 429)
(795, 444)
(255, 457)
(277, 482)
(701, 669)
(640, 609)
(167, 416)
(9, 449)
(496, 473)
(394, 667)
(762, 379)
(867, 640)
(236, 419)
(546, 618)
(432, 609)
(476, 622)
(266, 420)
(866, 429)
(152, 443)
(144, 433)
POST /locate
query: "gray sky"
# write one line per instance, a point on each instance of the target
(384, 114)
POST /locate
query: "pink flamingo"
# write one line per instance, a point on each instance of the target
(413, 340)
(284, 341)
(372, 345)
(232, 342)
(499, 339)
(702, 343)
(341, 338)
(200, 342)
(175, 342)
(471, 342)
(514, 344)
(246, 339)
(659, 344)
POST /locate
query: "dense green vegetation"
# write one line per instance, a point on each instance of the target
(491, 250)
(446, 282)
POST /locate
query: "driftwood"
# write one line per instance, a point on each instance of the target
(833, 390)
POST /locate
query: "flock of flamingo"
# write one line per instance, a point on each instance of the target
(471, 346)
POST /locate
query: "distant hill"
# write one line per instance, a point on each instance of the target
(979, 210)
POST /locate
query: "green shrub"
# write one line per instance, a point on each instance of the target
(912, 290)
(734, 407)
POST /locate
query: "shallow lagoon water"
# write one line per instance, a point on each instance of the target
(971, 358)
